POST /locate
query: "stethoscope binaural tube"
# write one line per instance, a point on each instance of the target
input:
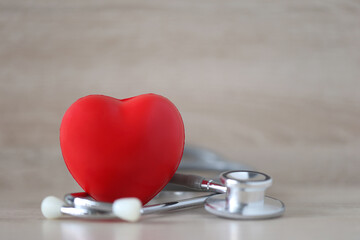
(80, 205)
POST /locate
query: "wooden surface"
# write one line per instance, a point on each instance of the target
(274, 85)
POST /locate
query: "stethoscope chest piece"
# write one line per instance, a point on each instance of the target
(245, 197)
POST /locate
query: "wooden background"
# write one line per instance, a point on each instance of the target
(274, 85)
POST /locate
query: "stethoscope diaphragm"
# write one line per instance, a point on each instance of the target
(271, 208)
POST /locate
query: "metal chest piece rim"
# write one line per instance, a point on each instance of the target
(245, 197)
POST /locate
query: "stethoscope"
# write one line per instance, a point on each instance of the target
(240, 195)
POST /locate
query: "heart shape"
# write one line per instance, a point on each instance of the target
(122, 148)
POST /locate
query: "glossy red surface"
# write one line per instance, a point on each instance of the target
(122, 148)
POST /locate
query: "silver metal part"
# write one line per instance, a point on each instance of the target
(270, 209)
(86, 213)
(84, 207)
(211, 185)
(195, 182)
(191, 202)
(70, 197)
(245, 197)
(93, 205)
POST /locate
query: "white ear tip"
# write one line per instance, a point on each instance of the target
(127, 209)
(51, 207)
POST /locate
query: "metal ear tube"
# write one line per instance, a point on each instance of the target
(79, 205)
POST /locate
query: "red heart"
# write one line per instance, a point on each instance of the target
(122, 148)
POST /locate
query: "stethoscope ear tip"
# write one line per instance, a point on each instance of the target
(51, 207)
(128, 209)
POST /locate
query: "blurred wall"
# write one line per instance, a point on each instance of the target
(271, 84)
